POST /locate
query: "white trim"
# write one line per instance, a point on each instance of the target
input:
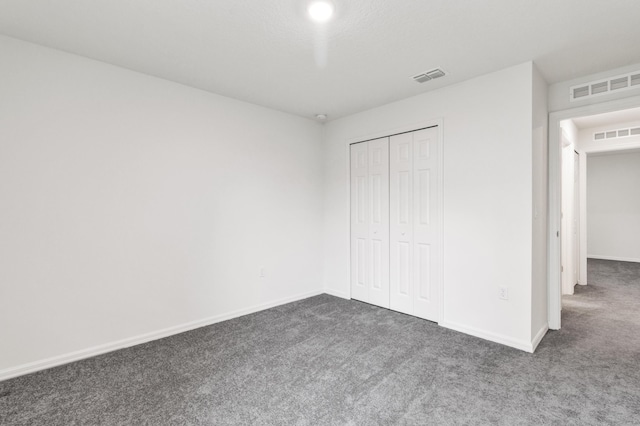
(395, 131)
(55, 361)
(619, 259)
(582, 276)
(523, 345)
(538, 337)
(382, 134)
(554, 261)
(612, 147)
(337, 293)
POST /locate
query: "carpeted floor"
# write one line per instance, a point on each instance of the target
(328, 361)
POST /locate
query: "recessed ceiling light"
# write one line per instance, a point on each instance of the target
(321, 117)
(320, 10)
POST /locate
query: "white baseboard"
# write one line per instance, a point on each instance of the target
(619, 259)
(538, 337)
(523, 345)
(55, 361)
(337, 293)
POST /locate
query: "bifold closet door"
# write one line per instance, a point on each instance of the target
(414, 223)
(370, 222)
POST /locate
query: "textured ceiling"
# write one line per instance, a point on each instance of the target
(268, 53)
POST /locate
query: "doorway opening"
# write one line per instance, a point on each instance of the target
(594, 167)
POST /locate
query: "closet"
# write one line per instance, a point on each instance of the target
(395, 222)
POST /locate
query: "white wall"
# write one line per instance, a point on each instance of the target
(131, 205)
(587, 143)
(613, 206)
(540, 196)
(488, 198)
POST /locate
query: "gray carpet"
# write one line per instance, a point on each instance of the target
(328, 361)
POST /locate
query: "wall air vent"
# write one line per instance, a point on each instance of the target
(614, 134)
(599, 87)
(580, 92)
(618, 83)
(428, 75)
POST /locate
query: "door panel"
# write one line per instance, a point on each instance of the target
(379, 221)
(414, 223)
(401, 226)
(359, 222)
(426, 226)
(423, 258)
(424, 197)
(370, 222)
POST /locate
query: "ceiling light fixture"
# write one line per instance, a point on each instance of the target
(321, 117)
(320, 10)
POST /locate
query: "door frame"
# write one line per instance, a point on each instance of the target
(577, 216)
(554, 274)
(439, 122)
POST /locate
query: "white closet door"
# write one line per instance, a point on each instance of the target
(379, 222)
(370, 222)
(359, 222)
(414, 219)
(401, 219)
(426, 224)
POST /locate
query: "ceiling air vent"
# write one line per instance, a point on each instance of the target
(614, 134)
(429, 75)
(421, 78)
(436, 73)
(618, 83)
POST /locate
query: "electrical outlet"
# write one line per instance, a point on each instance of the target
(504, 293)
(262, 272)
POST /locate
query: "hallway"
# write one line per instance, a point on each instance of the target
(600, 341)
